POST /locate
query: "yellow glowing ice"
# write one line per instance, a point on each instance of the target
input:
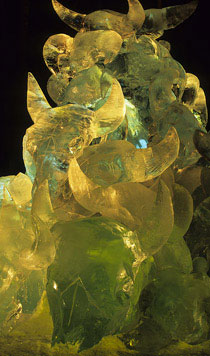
(119, 161)
(56, 49)
(125, 25)
(71, 122)
(93, 47)
(103, 215)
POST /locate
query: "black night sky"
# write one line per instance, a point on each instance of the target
(26, 25)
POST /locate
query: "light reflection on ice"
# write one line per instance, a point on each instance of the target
(142, 144)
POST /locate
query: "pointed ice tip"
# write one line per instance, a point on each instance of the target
(159, 20)
(30, 76)
(56, 4)
(136, 13)
(71, 18)
(31, 79)
(175, 15)
(36, 100)
(32, 82)
(194, 4)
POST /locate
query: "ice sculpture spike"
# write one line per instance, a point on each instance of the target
(36, 101)
(104, 120)
(124, 24)
(72, 18)
(168, 17)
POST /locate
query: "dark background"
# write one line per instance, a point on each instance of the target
(26, 25)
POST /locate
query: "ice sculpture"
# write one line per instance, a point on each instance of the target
(105, 239)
